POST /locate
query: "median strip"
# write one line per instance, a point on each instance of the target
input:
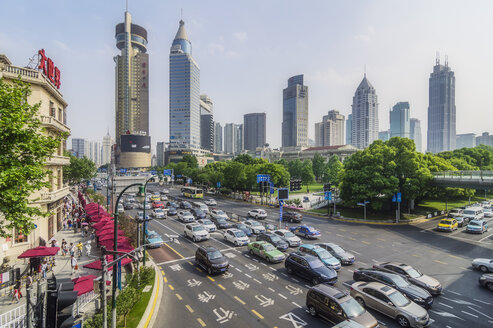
(202, 323)
(221, 286)
(239, 300)
(257, 314)
(189, 308)
(179, 296)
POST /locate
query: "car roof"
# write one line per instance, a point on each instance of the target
(307, 257)
(233, 230)
(209, 248)
(282, 230)
(193, 224)
(340, 295)
(261, 242)
(380, 287)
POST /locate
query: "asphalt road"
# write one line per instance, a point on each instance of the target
(255, 293)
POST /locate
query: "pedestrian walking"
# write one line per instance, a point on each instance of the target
(29, 281)
(64, 247)
(71, 249)
(79, 249)
(88, 248)
(44, 268)
(17, 292)
(74, 264)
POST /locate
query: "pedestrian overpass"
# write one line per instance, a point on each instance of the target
(482, 180)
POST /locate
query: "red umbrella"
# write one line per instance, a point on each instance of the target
(105, 225)
(96, 265)
(84, 284)
(39, 251)
(100, 224)
(111, 237)
(123, 246)
(108, 231)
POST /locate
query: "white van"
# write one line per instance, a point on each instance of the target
(473, 213)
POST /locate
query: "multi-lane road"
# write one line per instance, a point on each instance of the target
(254, 293)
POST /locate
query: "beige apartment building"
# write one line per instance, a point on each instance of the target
(53, 116)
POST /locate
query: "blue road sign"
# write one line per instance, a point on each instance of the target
(399, 197)
(263, 177)
(218, 184)
(393, 199)
(153, 172)
(189, 181)
(178, 175)
(328, 195)
(123, 170)
(271, 187)
(166, 172)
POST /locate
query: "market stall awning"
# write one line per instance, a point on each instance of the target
(111, 237)
(123, 246)
(108, 231)
(96, 265)
(39, 251)
(84, 284)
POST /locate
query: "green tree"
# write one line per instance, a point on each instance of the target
(235, 176)
(318, 166)
(307, 176)
(79, 170)
(333, 171)
(295, 169)
(23, 151)
(244, 159)
(191, 161)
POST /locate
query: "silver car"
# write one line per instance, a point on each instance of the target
(390, 302)
(185, 216)
(485, 265)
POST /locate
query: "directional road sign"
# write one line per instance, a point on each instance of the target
(166, 172)
(263, 177)
(328, 195)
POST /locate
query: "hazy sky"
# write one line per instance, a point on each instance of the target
(248, 49)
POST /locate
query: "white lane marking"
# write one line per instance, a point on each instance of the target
(231, 265)
(451, 291)
(353, 251)
(374, 260)
(263, 264)
(257, 281)
(481, 301)
(295, 304)
(246, 274)
(282, 296)
(350, 270)
(271, 289)
(458, 301)
(472, 315)
(178, 260)
(238, 270)
(285, 275)
(307, 286)
(273, 269)
(246, 255)
(451, 307)
(295, 280)
(480, 313)
(256, 260)
(446, 314)
(364, 264)
(485, 237)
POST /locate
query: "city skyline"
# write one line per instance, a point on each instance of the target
(229, 48)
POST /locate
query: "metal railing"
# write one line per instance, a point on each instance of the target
(14, 318)
(483, 175)
(83, 300)
(23, 71)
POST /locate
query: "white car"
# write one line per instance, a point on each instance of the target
(202, 206)
(288, 237)
(256, 226)
(488, 213)
(163, 198)
(257, 214)
(148, 205)
(208, 225)
(158, 213)
(120, 209)
(196, 232)
(185, 216)
(237, 237)
(219, 214)
(484, 265)
(164, 191)
(210, 202)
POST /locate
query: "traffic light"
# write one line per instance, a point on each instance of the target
(60, 297)
(327, 186)
(266, 187)
(260, 187)
(298, 184)
(291, 185)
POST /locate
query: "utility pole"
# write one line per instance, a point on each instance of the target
(29, 319)
(103, 291)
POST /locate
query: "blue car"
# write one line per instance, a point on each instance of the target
(154, 239)
(244, 228)
(306, 231)
(477, 226)
(322, 254)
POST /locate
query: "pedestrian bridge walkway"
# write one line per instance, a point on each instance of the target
(464, 179)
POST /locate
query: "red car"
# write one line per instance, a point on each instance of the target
(157, 204)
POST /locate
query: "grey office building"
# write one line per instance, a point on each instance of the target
(364, 125)
(233, 138)
(400, 121)
(295, 113)
(441, 109)
(416, 134)
(484, 139)
(160, 151)
(79, 147)
(349, 129)
(218, 138)
(384, 135)
(255, 130)
(466, 140)
(206, 123)
(330, 132)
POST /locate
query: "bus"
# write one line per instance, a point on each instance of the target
(192, 192)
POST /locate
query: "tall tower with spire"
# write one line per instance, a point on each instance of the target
(364, 118)
(184, 93)
(132, 96)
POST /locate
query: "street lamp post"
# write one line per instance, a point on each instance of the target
(142, 191)
(115, 248)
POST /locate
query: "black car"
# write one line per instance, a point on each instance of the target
(244, 228)
(172, 211)
(221, 223)
(185, 205)
(336, 251)
(416, 294)
(198, 213)
(311, 268)
(486, 280)
(172, 204)
(274, 240)
(292, 217)
(211, 259)
(128, 205)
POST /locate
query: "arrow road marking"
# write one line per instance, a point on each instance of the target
(193, 283)
(225, 316)
(459, 301)
(294, 319)
(205, 297)
(264, 301)
(251, 267)
(294, 290)
(270, 276)
(446, 314)
(480, 312)
(227, 275)
(241, 285)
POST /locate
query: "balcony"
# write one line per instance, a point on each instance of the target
(58, 160)
(51, 196)
(50, 122)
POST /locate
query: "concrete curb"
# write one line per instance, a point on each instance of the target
(413, 222)
(149, 316)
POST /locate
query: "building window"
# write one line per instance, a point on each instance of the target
(19, 238)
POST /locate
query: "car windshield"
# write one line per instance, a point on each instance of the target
(221, 220)
(153, 236)
(219, 212)
(323, 254)
(206, 222)
(254, 223)
(198, 228)
(289, 234)
(337, 249)
(241, 226)
(399, 281)
(159, 211)
(268, 247)
(275, 239)
(173, 204)
(185, 213)
(315, 264)
(413, 273)
(214, 255)
(469, 212)
(239, 234)
(398, 299)
(445, 222)
(474, 223)
(352, 308)
(199, 212)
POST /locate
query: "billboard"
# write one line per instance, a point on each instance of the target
(135, 143)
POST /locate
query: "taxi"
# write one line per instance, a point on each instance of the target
(448, 225)
(155, 198)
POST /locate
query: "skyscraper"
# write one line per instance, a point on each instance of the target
(441, 109)
(218, 138)
(229, 138)
(106, 151)
(415, 134)
(132, 95)
(295, 113)
(255, 130)
(160, 151)
(79, 147)
(466, 140)
(238, 135)
(330, 132)
(384, 135)
(206, 123)
(400, 124)
(349, 129)
(364, 125)
(184, 93)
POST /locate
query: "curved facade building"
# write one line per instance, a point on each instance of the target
(132, 95)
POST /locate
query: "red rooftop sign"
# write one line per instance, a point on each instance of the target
(49, 69)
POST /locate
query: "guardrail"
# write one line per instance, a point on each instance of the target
(464, 174)
(83, 300)
(14, 318)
